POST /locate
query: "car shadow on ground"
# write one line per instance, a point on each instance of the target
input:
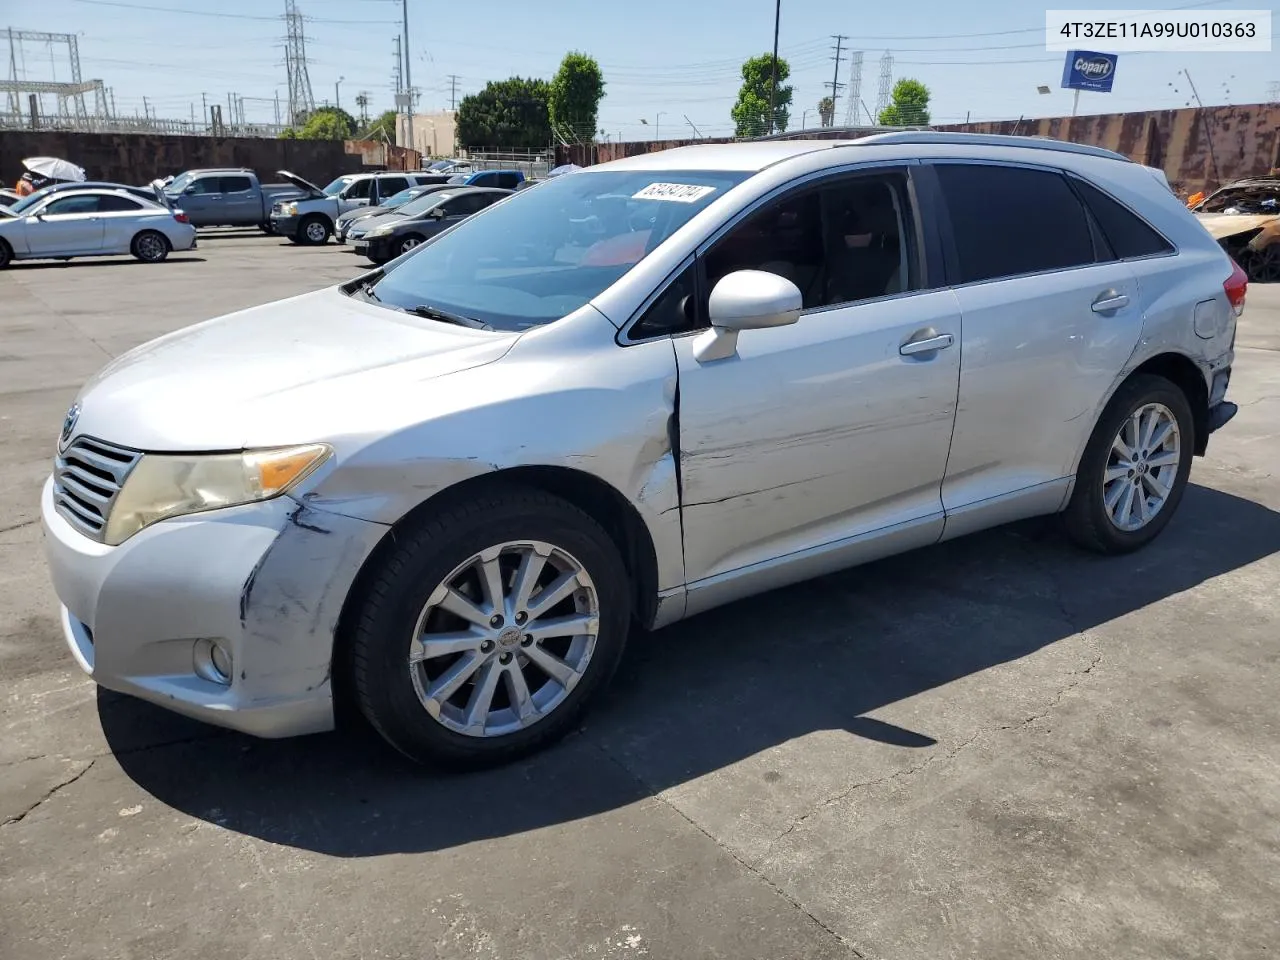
(701, 695)
(99, 262)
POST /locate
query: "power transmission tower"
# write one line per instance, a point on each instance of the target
(855, 88)
(362, 101)
(396, 84)
(16, 84)
(830, 118)
(886, 84)
(453, 91)
(301, 101)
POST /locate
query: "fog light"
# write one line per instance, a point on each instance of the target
(212, 662)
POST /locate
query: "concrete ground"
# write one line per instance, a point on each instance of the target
(996, 748)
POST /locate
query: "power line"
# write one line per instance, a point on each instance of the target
(215, 13)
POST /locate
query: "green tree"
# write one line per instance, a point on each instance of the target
(908, 105)
(511, 114)
(325, 123)
(751, 111)
(574, 96)
(383, 128)
(827, 111)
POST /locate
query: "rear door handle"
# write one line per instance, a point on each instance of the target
(927, 345)
(1109, 301)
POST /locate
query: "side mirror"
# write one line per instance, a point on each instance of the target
(191, 189)
(437, 213)
(746, 300)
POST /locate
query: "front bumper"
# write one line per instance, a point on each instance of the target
(376, 249)
(267, 581)
(285, 226)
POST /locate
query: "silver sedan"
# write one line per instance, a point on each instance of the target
(451, 485)
(92, 223)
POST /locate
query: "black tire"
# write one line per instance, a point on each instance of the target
(150, 246)
(408, 243)
(6, 254)
(314, 231)
(1086, 519)
(421, 557)
(265, 228)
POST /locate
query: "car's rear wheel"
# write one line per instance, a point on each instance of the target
(485, 630)
(408, 243)
(1263, 266)
(150, 247)
(1134, 470)
(6, 254)
(313, 231)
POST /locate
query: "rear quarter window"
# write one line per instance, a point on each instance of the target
(1012, 221)
(1128, 234)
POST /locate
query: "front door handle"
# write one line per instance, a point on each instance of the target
(927, 345)
(1109, 301)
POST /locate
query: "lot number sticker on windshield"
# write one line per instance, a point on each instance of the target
(675, 192)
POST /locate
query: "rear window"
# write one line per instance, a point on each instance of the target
(1128, 235)
(1010, 221)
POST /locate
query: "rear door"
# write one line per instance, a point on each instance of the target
(121, 221)
(1050, 319)
(66, 225)
(240, 203)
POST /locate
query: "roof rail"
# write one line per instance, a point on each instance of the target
(990, 140)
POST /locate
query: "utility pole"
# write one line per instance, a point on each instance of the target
(835, 79)
(692, 127)
(204, 106)
(408, 74)
(1208, 135)
(277, 106)
(146, 110)
(773, 80)
(453, 91)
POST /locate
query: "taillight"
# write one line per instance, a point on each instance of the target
(181, 217)
(1236, 286)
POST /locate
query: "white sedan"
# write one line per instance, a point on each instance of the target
(92, 223)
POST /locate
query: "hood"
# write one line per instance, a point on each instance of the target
(375, 220)
(1223, 225)
(305, 369)
(360, 213)
(306, 186)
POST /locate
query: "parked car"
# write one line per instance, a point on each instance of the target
(312, 217)
(226, 197)
(452, 484)
(93, 223)
(149, 194)
(8, 197)
(394, 202)
(504, 179)
(399, 231)
(1244, 217)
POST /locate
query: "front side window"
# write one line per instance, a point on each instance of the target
(205, 185)
(544, 253)
(840, 242)
(507, 181)
(78, 204)
(1011, 221)
(359, 190)
(466, 205)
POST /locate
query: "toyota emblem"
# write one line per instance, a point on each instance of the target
(69, 424)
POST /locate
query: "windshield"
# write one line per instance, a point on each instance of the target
(178, 183)
(31, 200)
(538, 255)
(401, 198)
(336, 186)
(426, 202)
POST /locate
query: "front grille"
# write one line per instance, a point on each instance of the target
(87, 478)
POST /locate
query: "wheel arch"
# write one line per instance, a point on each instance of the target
(595, 497)
(1183, 373)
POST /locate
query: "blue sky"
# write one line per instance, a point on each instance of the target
(678, 57)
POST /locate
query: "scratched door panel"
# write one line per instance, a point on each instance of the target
(816, 432)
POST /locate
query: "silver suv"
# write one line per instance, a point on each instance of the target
(635, 393)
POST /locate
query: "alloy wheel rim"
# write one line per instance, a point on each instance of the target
(408, 245)
(149, 247)
(503, 640)
(1142, 467)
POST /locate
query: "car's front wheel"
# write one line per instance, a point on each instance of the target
(408, 243)
(6, 254)
(487, 627)
(313, 231)
(1134, 469)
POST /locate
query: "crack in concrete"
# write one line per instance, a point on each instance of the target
(18, 818)
(215, 735)
(20, 526)
(657, 795)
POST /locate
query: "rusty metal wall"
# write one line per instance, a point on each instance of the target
(1197, 149)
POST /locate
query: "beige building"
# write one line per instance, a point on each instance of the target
(434, 134)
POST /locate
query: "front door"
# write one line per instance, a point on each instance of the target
(66, 226)
(201, 201)
(812, 440)
(1050, 318)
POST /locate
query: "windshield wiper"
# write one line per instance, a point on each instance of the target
(435, 313)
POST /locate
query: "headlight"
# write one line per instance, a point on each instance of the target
(289, 209)
(163, 486)
(380, 232)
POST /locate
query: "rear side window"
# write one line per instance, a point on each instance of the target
(109, 204)
(484, 180)
(508, 181)
(236, 184)
(389, 185)
(1010, 221)
(1128, 235)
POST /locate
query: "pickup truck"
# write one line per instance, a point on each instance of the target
(312, 217)
(226, 197)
